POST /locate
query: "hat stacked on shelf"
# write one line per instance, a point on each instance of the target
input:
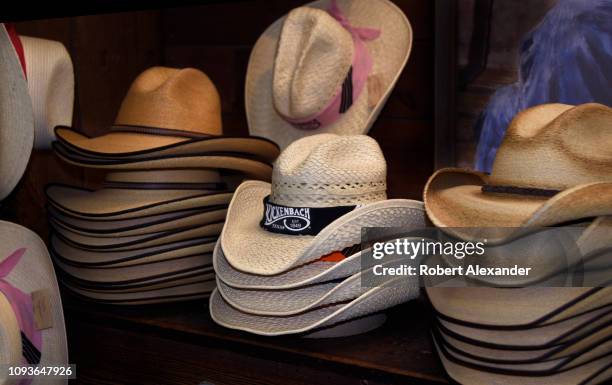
(148, 234)
(554, 168)
(288, 259)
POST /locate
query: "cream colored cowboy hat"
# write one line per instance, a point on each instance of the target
(51, 86)
(537, 337)
(165, 109)
(325, 189)
(75, 256)
(553, 166)
(138, 194)
(32, 327)
(327, 67)
(387, 295)
(594, 372)
(289, 302)
(318, 271)
(586, 348)
(522, 307)
(187, 292)
(16, 116)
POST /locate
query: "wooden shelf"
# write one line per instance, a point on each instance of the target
(399, 352)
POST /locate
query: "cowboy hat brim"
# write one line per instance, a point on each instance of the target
(551, 355)
(251, 167)
(531, 338)
(120, 204)
(92, 228)
(455, 203)
(199, 289)
(474, 374)
(390, 52)
(251, 249)
(139, 241)
(35, 273)
(138, 273)
(392, 293)
(75, 256)
(308, 274)
(16, 117)
(515, 308)
(134, 145)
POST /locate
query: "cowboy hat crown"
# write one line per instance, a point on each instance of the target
(174, 99)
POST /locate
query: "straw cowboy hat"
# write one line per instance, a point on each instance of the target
(16, 115)
(389, 294)
(133, 195)
(187, 292)
(298, 300)
(498, 307)
(75, 256)
(595, 371)
(327, 67)
(339, 264)
(554, 356)
(554, 166)
(31, 320)
(325, 189)
(168, 112)
(536, 337)
(51, 86)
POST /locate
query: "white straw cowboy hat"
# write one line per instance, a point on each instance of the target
(32, 327)
(131, 195)
(75, 256)
(553, 166)
(327, 67)
(387, 295)
(594, 372)
(164, 109)
(51, 87)
(16, 116)
(298, 300)
(536, 337)
(330, 267)
(325, 189)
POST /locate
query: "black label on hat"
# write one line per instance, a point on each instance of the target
(299, 220)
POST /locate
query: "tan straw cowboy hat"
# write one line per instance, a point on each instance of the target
(553, 166)
(327, 67)
(16, 116)
(168, 113)
(32, 327)
(325, 189)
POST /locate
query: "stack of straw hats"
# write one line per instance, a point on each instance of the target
(554, 168)
(288, 259)
(147, 236)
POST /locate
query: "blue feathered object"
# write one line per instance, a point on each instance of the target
(566, 59)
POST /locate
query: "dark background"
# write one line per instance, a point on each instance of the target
(109, 50)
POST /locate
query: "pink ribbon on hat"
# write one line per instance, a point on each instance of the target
(24, 312)
(354, 82)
